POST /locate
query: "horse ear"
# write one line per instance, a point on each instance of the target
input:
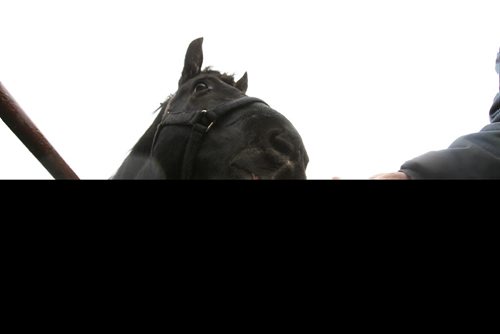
(242, 84)
(193, 60)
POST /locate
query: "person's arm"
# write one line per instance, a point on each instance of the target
(391, 176)
(474, 156)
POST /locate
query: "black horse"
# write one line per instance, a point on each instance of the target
(209, 129)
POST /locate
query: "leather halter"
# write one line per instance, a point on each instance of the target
(200, 121)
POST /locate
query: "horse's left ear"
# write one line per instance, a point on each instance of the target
(242, 84)
(193, 60)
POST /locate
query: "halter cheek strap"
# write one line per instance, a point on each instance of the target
(200, 127)
(200, 122)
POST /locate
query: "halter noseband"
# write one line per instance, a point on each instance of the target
(200, 121)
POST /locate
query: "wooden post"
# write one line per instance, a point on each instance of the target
(17, 120)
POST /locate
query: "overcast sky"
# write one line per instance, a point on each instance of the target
(368, 84)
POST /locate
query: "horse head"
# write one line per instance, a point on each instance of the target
(210, 129)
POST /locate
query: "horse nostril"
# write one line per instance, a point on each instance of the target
(279, 142)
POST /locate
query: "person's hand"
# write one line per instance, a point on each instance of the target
(390, 176)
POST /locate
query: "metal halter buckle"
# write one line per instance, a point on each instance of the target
(204, 111)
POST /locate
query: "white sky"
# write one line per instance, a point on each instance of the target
(368, 84)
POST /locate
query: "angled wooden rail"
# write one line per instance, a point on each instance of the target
(17, 120)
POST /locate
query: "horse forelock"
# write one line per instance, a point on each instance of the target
(224, 77)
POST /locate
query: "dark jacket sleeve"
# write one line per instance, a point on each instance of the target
(473, 156)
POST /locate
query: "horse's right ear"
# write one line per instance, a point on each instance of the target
(242, 84)
(193, 61)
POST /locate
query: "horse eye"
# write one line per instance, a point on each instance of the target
(201, 86)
